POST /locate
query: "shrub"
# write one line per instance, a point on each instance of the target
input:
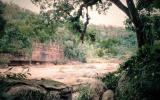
(143, 75)
(110, 80)
(84, 94)
(74, 53)
(113, 51)
(109, 43)
(128, 40)
(100, 52)
(4, 61)
(13, 40)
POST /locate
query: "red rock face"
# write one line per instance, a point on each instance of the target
(41, 53)
(47, 53)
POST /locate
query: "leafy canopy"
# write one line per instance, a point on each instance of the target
(72, 11)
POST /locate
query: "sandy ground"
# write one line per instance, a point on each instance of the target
(68, 74)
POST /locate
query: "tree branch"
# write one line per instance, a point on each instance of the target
(121, 6)
(134, 14)
(85, 25)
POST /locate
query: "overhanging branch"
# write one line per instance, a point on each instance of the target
(85, 25)
(121, 6)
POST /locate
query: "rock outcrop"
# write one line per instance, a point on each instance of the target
(34, 90)
(108, 95)
(97, 88)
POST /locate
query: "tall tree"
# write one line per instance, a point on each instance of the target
(66, 7)
(2, 20)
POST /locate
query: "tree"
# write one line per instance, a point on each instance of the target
(65, 7)
(150, 17)
(20, 28)
(2, 20)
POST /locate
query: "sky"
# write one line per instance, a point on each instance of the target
(114, 16)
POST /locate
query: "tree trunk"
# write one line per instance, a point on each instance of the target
(140, 37)
(139, 26)
(130, 10)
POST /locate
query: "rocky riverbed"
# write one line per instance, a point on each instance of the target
(69, 74)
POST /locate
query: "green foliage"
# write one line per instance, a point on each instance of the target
(62, 11)
(156, 26)
(112, 51)
(110, 80)
(23, 28)
(116, 43)
(92, 36)
(13, 40)
(129, 25)
(129, 40)
(84, 94)
(143, 76)
(149, 16)
(4, 61)
(145, 4)
(100, 52)
(109, 43)
(2, 20)
(74, 53)
(14, 13)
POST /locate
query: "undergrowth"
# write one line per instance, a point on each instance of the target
(143, 75)
(142, 78)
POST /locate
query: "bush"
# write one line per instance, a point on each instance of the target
(109, 43)
(13, 40)
(100, 52)
(70, 43)
(4, 61)
(110, 80)
(117, 46)
(84, 94)
(143, 75)
(113, 51)
(74, 53)
(128, 40)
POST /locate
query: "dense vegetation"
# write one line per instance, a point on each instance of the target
(142, 81)
(137, 78)
(23, 28)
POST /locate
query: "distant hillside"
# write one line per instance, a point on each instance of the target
(14, 12)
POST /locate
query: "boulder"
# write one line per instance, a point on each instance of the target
(34, 90)
(108, 95)
(97, 88)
